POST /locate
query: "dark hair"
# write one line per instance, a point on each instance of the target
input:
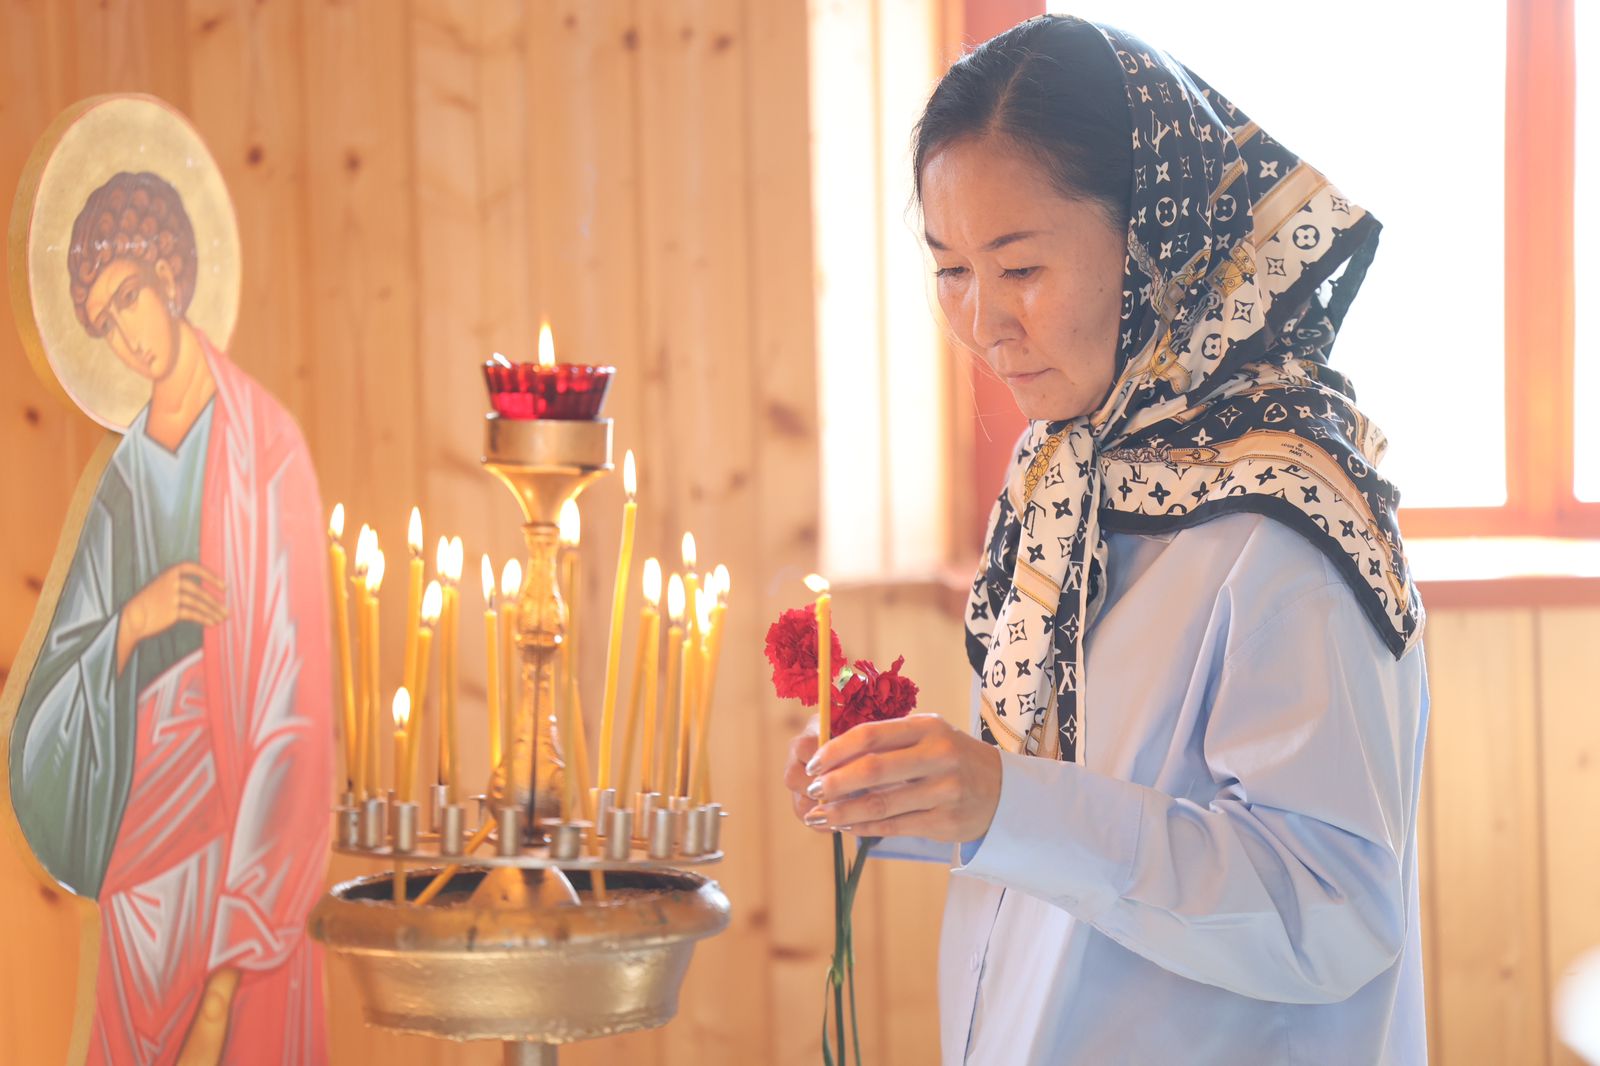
(1053, 86)
(131, 216)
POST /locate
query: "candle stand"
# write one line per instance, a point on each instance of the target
(562, 930)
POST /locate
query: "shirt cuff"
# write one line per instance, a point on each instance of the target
(912, 848)
(1060, 832)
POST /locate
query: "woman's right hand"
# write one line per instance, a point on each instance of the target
(795, 778)
(186, 592)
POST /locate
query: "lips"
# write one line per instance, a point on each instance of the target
(1023, 378)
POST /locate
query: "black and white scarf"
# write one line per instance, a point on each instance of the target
(1224, 401)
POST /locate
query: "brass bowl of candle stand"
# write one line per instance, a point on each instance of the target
(552, 975)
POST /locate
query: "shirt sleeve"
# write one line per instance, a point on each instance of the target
(1288, 886)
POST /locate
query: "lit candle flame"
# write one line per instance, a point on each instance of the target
(458, 560)
(364, 547)
(336, 522)
(724, 583)
(547, 346)
(511, 579)
(441, 558)
(675, 598)
(652, 581)
(432, 604)
(571, 523)
(688, 551)
(414, 532)
(702, 609)
(488, 582)
(375, 571)
(630, 476)
(817, 583)
(402, 708)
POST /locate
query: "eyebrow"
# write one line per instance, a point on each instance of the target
(994, 245)
(108, 301)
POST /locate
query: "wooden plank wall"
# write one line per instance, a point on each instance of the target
(417, 182)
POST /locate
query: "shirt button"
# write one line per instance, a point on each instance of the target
(977, 961)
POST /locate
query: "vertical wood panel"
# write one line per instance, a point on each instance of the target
(694, 164)
(794, 906)
(362, 306)
(245, 81)
(1487, 883)
(1430, 920)
(1569, 678)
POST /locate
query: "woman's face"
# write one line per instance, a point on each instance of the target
(1027, 278)
(129, 306)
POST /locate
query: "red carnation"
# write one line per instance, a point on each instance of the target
(873, 695)
(792, 651)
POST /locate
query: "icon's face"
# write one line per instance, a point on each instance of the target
(129, 305)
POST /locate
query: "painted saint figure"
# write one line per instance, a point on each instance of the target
(171, 754)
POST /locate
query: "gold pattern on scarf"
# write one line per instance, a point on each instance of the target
(1164, 364)
(1039, 465)
(1230, 273)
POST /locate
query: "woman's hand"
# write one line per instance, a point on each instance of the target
(795, 778)
(914, 776)
(187, 592)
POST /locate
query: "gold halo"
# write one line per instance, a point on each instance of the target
(84, 147)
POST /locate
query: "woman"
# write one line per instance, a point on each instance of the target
(1186, 822)
(172, 751)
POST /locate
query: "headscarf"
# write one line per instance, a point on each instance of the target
(1241, 262)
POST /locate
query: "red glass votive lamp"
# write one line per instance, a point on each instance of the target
(562, 391)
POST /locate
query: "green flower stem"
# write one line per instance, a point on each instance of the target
(827, 1052)
(840, 926)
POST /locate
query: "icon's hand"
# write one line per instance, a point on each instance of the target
(187, 592)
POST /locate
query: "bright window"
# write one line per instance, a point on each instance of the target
(1360, 91)
(883, 400)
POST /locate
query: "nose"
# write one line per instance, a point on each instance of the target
(993, 323)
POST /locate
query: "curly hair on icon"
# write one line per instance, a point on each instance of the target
(132, 216)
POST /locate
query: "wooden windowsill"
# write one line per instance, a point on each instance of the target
(1506, 571)
(1456, 572)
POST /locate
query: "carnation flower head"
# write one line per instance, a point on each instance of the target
(873, 695)
(792, 651)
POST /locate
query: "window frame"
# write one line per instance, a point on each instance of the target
(1541, 500)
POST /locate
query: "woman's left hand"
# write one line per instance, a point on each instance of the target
(925, 778)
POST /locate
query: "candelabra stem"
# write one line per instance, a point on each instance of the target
(529, 1053)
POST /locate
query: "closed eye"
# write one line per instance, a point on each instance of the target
(949, 272)
(1018, 273)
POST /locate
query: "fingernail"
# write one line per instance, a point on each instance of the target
(811, 767)
(815, 788)
(816, 816)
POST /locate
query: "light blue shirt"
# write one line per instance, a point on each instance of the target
(1232, 875)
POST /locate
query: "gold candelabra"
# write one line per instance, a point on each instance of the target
(570, 929)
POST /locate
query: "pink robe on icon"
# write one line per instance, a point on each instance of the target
(223, 843)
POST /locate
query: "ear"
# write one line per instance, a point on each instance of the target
(169, 284)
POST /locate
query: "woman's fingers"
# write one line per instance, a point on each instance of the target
(874, 736)
(880, 769)
(801, 748)
(878, 805)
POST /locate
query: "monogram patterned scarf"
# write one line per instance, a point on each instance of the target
(1242, 260)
